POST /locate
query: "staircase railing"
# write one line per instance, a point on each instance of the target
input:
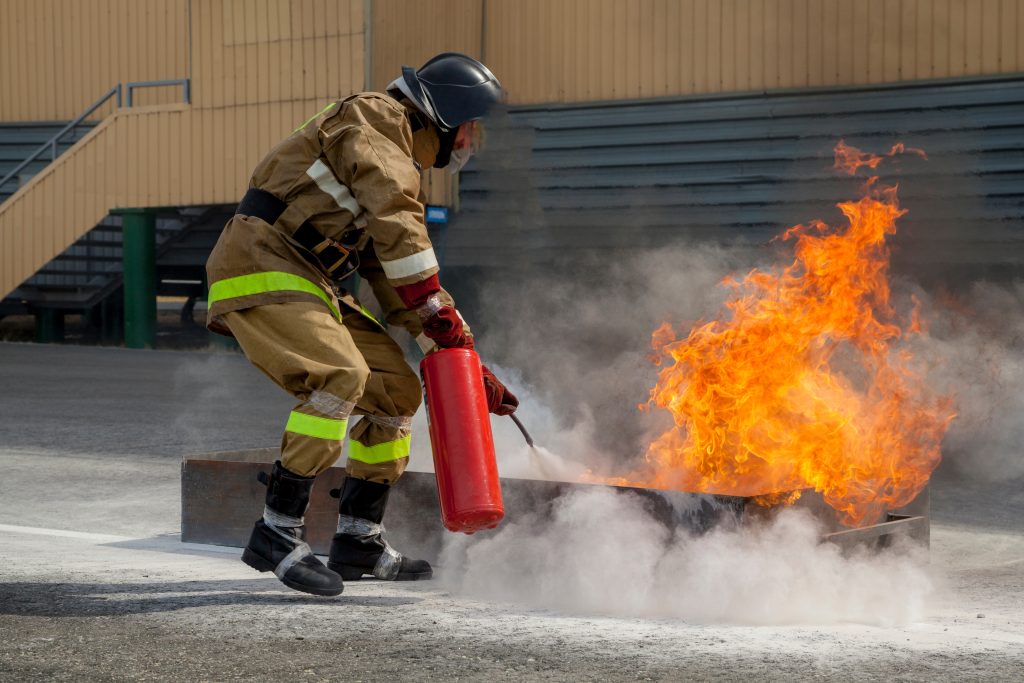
(115, 92)
(186, 88)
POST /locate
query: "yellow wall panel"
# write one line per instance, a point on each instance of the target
(405, 32)
(58, 56)
(578, 50)
(261, 67)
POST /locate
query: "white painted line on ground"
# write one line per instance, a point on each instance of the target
(64, 533)
(166, 543)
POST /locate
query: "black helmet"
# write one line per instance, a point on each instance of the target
(450, 89)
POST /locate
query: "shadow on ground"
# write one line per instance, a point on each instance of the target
(110, 599)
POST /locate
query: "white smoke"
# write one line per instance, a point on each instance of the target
(602, 554)
(210, 417)
(579, 340)
(974, 351)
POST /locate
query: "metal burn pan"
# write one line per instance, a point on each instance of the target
(221, 498)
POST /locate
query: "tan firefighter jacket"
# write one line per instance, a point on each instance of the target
(353, 167)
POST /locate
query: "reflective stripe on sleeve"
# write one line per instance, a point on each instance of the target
(260, 283)
(382, 452)
(325, 180)
(410, 265)
(316, 426)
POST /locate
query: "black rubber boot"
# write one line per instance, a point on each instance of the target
(278, 543)
(359, 546)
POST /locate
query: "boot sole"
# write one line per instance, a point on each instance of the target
(261, 565)
(350, 573)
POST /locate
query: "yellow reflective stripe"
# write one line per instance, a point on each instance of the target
(366, 312)
(314, 117)
(316, 426)
(261, 283)
(382, 452)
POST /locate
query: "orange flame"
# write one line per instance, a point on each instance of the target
(850, 159)
(802, 383)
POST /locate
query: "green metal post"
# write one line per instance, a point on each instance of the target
(139, 259)
(49, 325)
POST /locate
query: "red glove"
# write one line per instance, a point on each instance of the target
(445, 328)
(500, 400)
(441, 323)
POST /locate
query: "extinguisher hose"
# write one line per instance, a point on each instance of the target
(526, 434)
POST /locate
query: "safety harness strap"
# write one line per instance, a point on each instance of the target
(337, 259)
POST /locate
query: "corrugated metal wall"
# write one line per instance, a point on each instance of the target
(58, 56)
(260, 67)
(585, 50)
(405, 32)
(558, 181)
(253, 51)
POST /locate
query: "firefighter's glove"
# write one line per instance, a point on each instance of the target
(441, 322)
(500, 400)
(443, 325)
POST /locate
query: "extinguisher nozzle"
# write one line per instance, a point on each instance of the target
(526, 434)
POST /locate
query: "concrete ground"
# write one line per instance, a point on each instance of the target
(94, 583)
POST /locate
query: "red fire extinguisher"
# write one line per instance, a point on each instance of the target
(460, 436)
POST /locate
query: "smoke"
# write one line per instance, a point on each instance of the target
(974, 351)
(579, 339)
(600, 553)
(208, 415)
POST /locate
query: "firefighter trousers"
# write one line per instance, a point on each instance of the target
(334, 370)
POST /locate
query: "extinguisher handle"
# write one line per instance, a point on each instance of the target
(526, 434)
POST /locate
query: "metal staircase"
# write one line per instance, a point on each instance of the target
(19, 140)
(88, 272)
(88, 276)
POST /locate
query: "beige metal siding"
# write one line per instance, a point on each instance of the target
(58, 56)
(255, 51)
(579, 50)
(405, 32)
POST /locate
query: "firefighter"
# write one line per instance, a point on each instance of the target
(340, 196)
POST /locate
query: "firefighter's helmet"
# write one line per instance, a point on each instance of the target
(451, 89)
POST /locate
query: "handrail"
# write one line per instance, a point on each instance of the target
(116, 91)
(186, 88)
(52, 142)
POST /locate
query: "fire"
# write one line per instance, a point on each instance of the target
(803, 382)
